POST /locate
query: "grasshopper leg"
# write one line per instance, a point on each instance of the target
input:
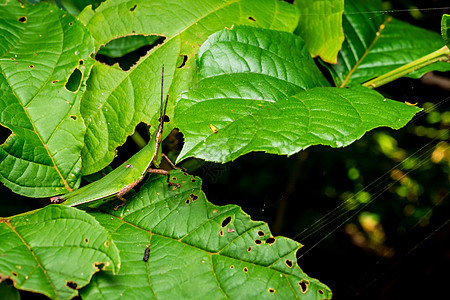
(164, 173)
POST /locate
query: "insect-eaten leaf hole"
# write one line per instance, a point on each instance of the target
(304, 284)
(70, 23)
(270, 240)
(22, 19)
(249, 249)
(31, 66)
(81, 62)
(133, 8)
(174, 179)
(99, 266)
(252, 19)
(54, 81)
(320, 292)
(261, 233)
(226, 221)
(245, 269)
(74, 81)
(271, 290)
(86, 240)
(221, 233)
(232, 267)
(109, 55)
(73, 117)
(72, 285)
(193, 180)
(4, 134)
(289, 263)
(187, 201)
(258, 242)
(181, 61)
(193, 197)
(14, 274)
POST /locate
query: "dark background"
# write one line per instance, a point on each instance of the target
(373, 217)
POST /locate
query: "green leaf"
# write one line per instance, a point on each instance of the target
(320, 25)
(375, 45)
(196, 250)
(251, 97)
(445, 29)
(116, 101)
(54, 250)
(40, 47)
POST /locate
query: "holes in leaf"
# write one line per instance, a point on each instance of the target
(270, 241)
(258, 242)
(86, 240)
(71, 285)
(289, 263)
(193, 197)
(271, 290)
(187, 201)
(81, 62)
(181, 61)
(14, 274)
(128, 50)
(133, 8)
(261, 233)
(232, 267)
(174, 179)
(193, 180)
(320, 292)
(31, 66)
(54, 81)
(74, 81)
(22, 19)
(251, 19)
(249, 249)
(226, 221)
(304, 284)
(99, 266)
(73, 117)
(221, 233)
(70, 23)
(4, 134)
(245, 269)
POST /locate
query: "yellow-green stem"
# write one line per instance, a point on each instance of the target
(442, 54)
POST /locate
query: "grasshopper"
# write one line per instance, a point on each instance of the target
(117, 183)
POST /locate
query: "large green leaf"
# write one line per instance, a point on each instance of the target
(445, 29)
(54, 251)
(320, 25)
(376, 44)
(116, 101)
(196, 250)
(251, 97)
(40, 47)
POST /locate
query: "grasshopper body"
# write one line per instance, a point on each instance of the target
(126, 176)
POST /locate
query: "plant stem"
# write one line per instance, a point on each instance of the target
(442, 54)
